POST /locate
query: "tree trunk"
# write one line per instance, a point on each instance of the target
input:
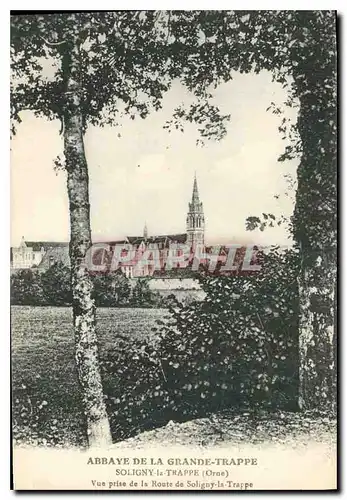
(317, 336)
(86, 348)
(315, 225)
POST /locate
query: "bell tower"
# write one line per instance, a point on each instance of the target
(195, 219)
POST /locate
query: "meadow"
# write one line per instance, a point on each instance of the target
(45, 392)
(47, 409)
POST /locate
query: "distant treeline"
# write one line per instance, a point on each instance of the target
(53, 288)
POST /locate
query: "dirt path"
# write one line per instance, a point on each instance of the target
(226, 429)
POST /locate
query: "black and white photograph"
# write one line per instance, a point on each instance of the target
(173, 253)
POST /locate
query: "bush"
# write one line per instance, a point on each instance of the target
(56, 285)
(53, 288)
(111, 290)
(237, 348)
(26, 288)
(240, 346)
(143, 296)
(136, 395)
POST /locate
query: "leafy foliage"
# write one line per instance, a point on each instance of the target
(56, 285)
(26, 288)
(127, 62)
(53, 287)
(236, 349)
(143, 296)
(268, 220)
(111, 290)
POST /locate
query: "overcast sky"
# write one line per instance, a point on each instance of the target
(147, 174)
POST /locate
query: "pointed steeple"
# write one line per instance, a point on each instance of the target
(195, 195)
(145, 231)
(195, 218)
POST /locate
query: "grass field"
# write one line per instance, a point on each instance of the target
(47, 406)
(46, 397)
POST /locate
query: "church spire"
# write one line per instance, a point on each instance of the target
(145, 231)
(195, 218)
(195, 196)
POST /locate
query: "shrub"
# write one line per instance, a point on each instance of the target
(134, 387)
(111, 290)
(238, 348)
(56, 285)
(53, 287)
(143, 296)
(26, 288)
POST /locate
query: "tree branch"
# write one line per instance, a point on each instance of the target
(52, 44)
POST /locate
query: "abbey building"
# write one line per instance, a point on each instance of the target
(42, 255)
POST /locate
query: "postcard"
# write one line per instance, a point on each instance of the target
(174, 250)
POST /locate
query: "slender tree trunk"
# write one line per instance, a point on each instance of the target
(86, 348)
